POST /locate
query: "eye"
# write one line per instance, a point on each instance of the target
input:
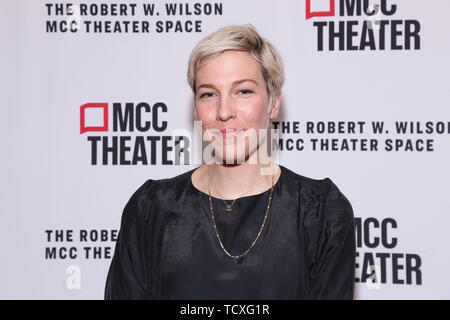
(206, 95)
(245, 91)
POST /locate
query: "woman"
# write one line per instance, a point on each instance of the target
(235, 228)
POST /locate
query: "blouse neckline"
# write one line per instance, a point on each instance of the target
(249, 196)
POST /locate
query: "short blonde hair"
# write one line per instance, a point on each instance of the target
(241, 38)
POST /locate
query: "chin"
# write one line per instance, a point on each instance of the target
(231, 157)
(234, 153)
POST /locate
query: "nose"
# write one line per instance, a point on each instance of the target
(226, 109)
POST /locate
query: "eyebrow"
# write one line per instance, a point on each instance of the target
(207, 85)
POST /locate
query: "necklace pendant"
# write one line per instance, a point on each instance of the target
(228, 209)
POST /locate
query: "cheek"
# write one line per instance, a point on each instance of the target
(256, 112)
(206, 115)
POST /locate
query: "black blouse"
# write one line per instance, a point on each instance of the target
(167, 247)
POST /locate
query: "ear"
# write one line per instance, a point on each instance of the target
(275, 106)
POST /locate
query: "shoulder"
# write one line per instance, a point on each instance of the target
(306, 184)
(322, 197)
(152, 187)
(140, 203)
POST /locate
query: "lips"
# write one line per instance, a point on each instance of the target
(231, 132)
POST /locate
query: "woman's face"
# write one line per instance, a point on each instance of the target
(231, 93)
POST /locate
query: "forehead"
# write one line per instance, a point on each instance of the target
(228, 67)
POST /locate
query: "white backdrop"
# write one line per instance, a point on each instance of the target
(60, 209)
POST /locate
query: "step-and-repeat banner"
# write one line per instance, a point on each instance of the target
(95, 99)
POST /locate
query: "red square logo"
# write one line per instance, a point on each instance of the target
(104, 109)
(310, 13)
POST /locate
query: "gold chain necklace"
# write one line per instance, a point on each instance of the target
(215, 227)
(230, 206)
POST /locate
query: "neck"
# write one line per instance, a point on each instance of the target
(237, 180)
